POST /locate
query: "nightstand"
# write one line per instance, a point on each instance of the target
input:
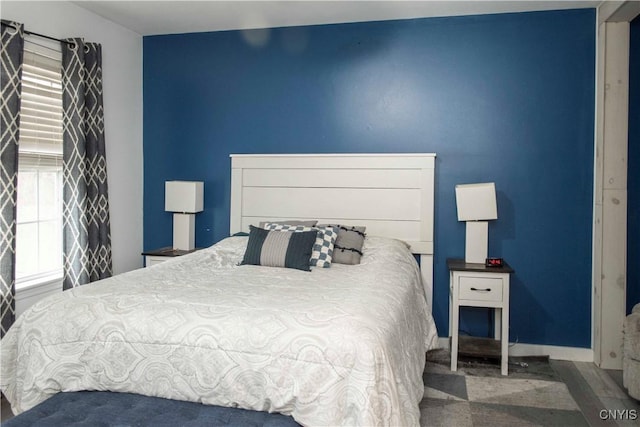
(157, 256)
(474, 285)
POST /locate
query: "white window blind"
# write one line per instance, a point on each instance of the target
(41, 108)
(39, 210)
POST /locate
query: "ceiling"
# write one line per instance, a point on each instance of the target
(172, 17)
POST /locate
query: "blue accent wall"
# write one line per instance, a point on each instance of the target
(507, 98)
(633, 176)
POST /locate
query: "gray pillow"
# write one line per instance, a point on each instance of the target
(309, 223)
(286, 249)
(348, 246)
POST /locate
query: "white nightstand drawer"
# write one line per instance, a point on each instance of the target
(480, 288)
(153, 260)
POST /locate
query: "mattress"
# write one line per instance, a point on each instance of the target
(337, 346)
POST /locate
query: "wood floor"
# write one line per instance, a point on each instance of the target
(599, 394)
(6, 413)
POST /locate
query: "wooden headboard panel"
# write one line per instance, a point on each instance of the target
(391, 194)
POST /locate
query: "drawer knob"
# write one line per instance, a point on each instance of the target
(481, 290)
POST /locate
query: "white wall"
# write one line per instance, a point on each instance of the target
(122, 86)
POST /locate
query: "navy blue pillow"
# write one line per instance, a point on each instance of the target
(286, 249)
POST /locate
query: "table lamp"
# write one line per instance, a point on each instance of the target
(184, 198)
(476, 204)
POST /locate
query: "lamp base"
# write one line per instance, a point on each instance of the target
(184, 231)
(476, 243)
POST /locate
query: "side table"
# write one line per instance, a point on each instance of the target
(157, 256)
(475, 285)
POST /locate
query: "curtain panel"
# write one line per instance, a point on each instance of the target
(86, 226)
(12, 53)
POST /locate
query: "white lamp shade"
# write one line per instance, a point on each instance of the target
(184, 196)
(476, 202)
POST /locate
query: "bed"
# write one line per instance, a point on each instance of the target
(335, 346)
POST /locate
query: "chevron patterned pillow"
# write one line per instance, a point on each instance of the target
(322, 252)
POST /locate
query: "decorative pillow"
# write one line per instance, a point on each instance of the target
(278, 249)
(309, 223)
(322, 252)
(348, 246)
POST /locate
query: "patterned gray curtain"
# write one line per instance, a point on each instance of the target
(87, 235)
(11, 85)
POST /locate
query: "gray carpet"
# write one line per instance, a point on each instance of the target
(478, 395)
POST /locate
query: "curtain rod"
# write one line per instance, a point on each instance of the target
(31, 33)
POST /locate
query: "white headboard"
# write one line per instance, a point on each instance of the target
(391, 194)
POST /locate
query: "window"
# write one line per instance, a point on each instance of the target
(39, 208)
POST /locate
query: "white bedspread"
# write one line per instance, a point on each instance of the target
(339, 346)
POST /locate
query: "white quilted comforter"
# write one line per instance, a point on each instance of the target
(338, 346)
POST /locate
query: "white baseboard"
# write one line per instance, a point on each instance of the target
(574, 354)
